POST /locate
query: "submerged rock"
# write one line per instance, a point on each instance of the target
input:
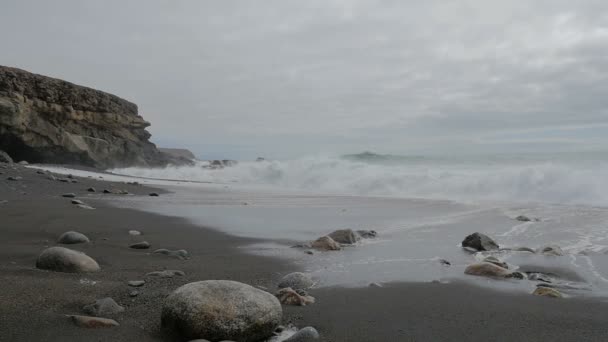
(551, 250)
(486, 269)
(297, 280)
(219, 310)
(62, 259)
(547, 292)
(345, 236)
(479, 242)
(289, 296)
(93, 322)
(105, 307)
(325, 243)
(72, 237)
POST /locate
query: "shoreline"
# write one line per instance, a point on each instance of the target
(35, 301)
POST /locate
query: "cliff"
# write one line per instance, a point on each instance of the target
(46, 120)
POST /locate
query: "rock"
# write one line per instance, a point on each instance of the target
(178, 153)
(133, 293)
(40, 172)
(547, 292)
(297, 281)
(93, 322)
(140, 245)
(153, 194)
(136, 283)
(51, 177)
(64, 180)
(221, 310)
(486, 269)
(180, 253)
(325, 243)
(516, 275)
(309, 252)
(345, 236)
(61, 259)
(49, 120)
(105, 307)
(14, 178)
(84, 206)
(551, 251)
(524, 249)
(5, 158)
(289, 296)
(166, 274)
(24, 162)
(523, 218)
(445, 262)
(367, 234)
(106, 191)
(304, 335)
(479, 242)
(91, 189)
(75, 201)
(375, 285)
(495, 261)
(69, 195)
(72, 237)
(134, 232)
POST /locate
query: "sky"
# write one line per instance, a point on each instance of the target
(283, 78)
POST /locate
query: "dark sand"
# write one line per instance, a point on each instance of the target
(33, 302)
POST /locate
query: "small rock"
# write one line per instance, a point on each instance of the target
(304, 335)
(61, 259)
(516, 275)
(69, 195)
(93, 322)
(297, 281)
(524, 249)
(75, 201)
(91, 189)
(289, 296)
(14, 178)
(153, 194)
(134, 232)
(140, 245)
(547, 292)
(495, 261)
(72, 237)
(486, 269)
(523, 218)
(84, 206)
(70, 176)
(309, 252)
(326, 243)
(345, 236)
(106, 191)
(180, 253)
(166, 274)
(73, 181)
(133, 293)
(40, 172)
(479, 242)
(136, 283)
(105, 307)
(23, 162)
(64, 180)
(551, 251)
(51, 177)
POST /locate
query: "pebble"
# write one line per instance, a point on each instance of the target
(154, 194)
(93, 322)
(140, 245)
(133, 293)
(136, 283)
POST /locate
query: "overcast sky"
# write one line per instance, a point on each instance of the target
(283, 78)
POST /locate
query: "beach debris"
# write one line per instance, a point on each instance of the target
(69, 195)
(153, 194)
(367, 234)
(494, 260)
(304, 335)
(166, 274)
(551, 250)
(486, 269)
(5, 158)
(547, 292)
(134, 232)
(105, 307)
(345, 236)
(326, 243)
(297, 281)
(140, 245)
(93, 322)
(62, 259)
(180, 253)
(72, 237)
(479, 242)
(289, 296)
(136, 283)
(91, 189)
(231, 311)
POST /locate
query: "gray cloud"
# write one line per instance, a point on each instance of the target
(282, 78)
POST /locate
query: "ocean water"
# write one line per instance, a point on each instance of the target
(421, 207)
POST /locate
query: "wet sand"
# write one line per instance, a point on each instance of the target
(33, 302)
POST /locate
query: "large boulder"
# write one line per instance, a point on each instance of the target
(46, 120)
(297, 281)
(219, 310)
(72, 237)
(345, 236)
(486, 269)
(479, 242)
(62, 259)
(5, 158)
(325, 243)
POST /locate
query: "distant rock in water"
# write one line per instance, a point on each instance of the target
(479, 242)
(47, 120)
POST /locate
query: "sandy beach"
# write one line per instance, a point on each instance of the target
(35, 302)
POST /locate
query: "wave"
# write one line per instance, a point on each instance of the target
(561, 182)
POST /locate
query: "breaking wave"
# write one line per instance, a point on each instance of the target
(497, 179)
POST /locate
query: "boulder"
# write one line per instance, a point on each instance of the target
(479, 242)
(140, 245)
(72, 237)
(551, 250)
(289, 296)
(547, 292)
(296, 280)
(304, 335)
(221, 310)
(93, 322)
(105, 307)
(367, 234)
(325, 243)
(5, 158)
(486, 269)
(61, 259)
(345, 236)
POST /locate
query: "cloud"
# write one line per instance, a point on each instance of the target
(295, 77)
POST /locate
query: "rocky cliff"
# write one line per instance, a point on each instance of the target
(46, 120)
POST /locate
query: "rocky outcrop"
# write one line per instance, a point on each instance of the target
(178, 152)
(46, 120)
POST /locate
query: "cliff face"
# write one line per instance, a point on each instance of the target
(46, 120)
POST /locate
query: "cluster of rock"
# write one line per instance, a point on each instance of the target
(336, 240)
(47, 120)
(493, 267)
